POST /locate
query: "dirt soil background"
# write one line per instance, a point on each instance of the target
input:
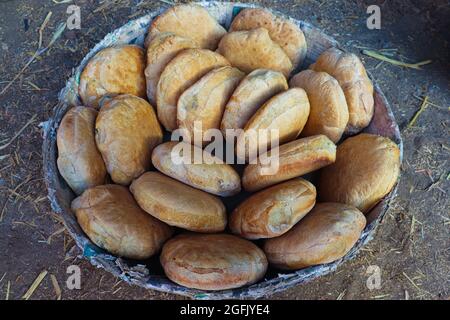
(411, 247)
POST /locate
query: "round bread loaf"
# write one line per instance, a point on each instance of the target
(211, 175)
(127, 130)
(325, 235)
(366, 169)
(114, 70)
(191, 21)
(284, 32)
(178, 75)
(294, 159)
(79, 161)
(200, 108)
(163, 48)
(273, 211)
(254, 49)
(349, 71)
(286, 114)
(178, 204)
(329, 111)
(213, 261)
(112, 219)
(255, 89)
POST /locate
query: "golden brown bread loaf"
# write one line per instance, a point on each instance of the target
(213, 261)
(349, 71)
(255, 89)
(178, 75)
(329, 111)
(286, 112)
(282, 31)
(295, 158)
(212, 175)
(273, 211)
(191, 21)
(201, 107)
(112, 219)
(178, 204)
(114, 70)
(79, 161)
(253, 49)
(366, 169)
(163, 48)
(325, 235)
(127, 130)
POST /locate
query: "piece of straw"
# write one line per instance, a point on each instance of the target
(59, 231)
(8, 287)
(43, 26)
(56, 286)
(430, 103)
(423, 106)
(381, 57)
(35, 285)
(19, 132)
(381, 296)
(8, 197)
(39, 51)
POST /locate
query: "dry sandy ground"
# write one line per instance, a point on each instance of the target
(411, 247)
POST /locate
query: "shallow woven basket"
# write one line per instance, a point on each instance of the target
(149, 274)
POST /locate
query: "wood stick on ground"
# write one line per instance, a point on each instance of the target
(381, 57)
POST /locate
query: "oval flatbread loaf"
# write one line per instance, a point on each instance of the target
(211, 175)
(178, 204)
(253, 49)
(112, 219)
(255, 89)
(191, 21)
(349, 71)
(213, 261)
(201, 107)
(286, 113)
(283, 31)
(178, 75)
(114, 70)
(127, 130)
(163, 48)
(325, 235)
(273, 211)
(329, 111)
(79, 161)
(366, 169)
(295, 159)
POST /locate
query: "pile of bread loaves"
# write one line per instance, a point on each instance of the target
(192, 69)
